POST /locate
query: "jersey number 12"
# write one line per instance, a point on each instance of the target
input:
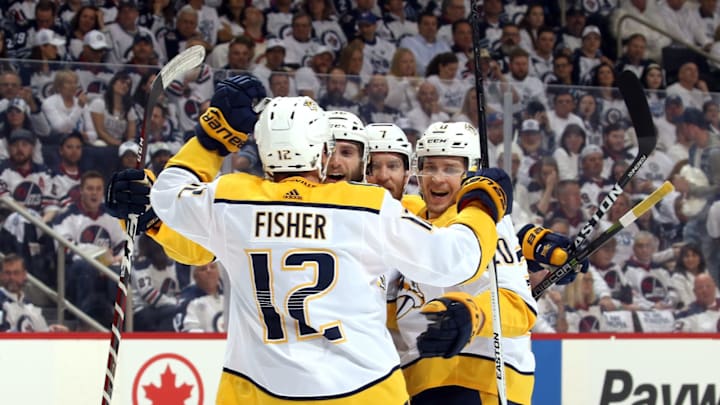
(323, 264)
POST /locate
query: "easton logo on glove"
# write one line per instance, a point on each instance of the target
(215, 125)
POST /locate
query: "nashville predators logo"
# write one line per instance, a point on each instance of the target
(409, 297)
(545, 251)
(311, 105)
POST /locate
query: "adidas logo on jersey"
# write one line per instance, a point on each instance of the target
(292, 195)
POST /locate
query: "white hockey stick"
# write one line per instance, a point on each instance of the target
(180, 64)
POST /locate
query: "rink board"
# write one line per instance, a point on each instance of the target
(577, 369)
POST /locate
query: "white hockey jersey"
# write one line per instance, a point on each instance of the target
(304, 261)
(422, 374)
(153, 287)
(19, 315)
(204, 314)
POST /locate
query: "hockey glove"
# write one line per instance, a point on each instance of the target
(490, 188)
(455, 318)
(225, 125)
(540, 246)
(129, 193)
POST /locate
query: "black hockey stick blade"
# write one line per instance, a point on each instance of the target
(634, 96)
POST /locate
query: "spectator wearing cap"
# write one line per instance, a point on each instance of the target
(425, 45)
(307, 78)
(541, 57)
(66, 174)
(43, 63)
(17, 115)
(41, 15)
(142, 59)
(633, 59)
(678, 18)
(87, 19)
(570, 36)
(530, 141)
(334, 98)
(645, 10)
(395, 24)
(93, 74)
(27, 182)
(279, 18)
(428, 109)
(704, 153)
(65, 108)
(561, 115)
(588, 55)
(300, 45)
(402, 81)
(692, 90)
(527, 87)
(112, 118)
(326, 24)
(159, 154)
(375, 110)
(241, 53)
(273, 61)
(128, 155)
(377, 52)
(208, 21)
(121, 33)
(567, 154)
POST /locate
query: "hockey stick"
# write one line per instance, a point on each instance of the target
(185, 61)
(634, 96)
(637, 211)
(485, 163)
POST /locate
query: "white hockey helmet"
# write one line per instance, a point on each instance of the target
(291, 134)
(346, 126)
(459, 139)
(389, 138)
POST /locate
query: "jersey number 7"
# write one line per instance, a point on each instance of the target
(323, 264)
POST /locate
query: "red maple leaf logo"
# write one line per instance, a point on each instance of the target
(167, 393)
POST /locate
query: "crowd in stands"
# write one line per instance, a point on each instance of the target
(75, 75)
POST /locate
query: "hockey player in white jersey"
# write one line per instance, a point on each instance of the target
(446, 152)
(297, 299)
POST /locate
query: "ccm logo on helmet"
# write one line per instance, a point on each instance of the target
(213, 120)
(436, 140)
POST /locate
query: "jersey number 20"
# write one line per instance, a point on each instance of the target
(323, 264)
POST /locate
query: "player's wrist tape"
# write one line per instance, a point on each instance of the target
(217, 134)
(485, 191)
